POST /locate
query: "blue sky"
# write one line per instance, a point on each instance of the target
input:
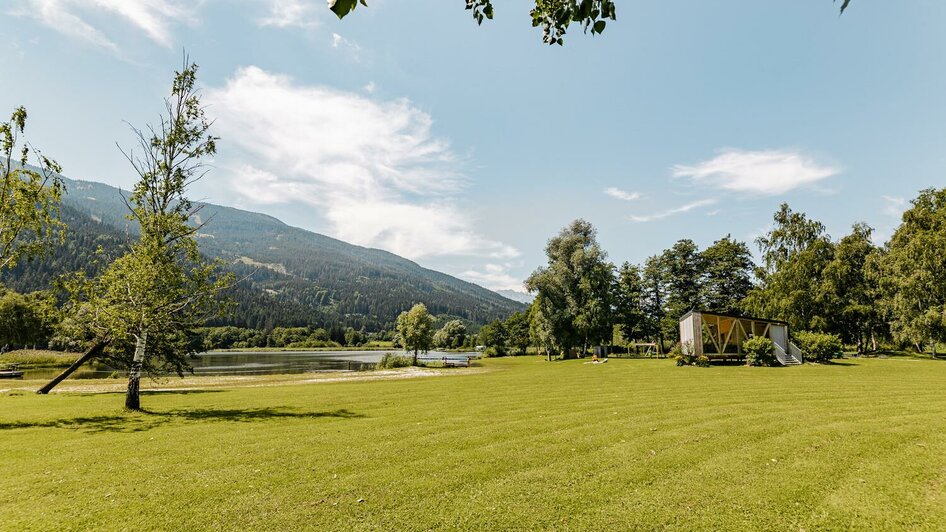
(409, 128)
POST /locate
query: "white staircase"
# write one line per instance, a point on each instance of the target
(792, 358)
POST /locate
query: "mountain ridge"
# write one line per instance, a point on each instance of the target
(324, 278)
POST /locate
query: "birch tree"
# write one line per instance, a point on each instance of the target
(146, 303)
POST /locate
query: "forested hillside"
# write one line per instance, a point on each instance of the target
(293, 277)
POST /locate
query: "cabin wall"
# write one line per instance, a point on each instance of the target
(779, 335)
(690, 332)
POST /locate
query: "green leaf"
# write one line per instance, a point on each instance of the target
(344, 7)
(598, 27)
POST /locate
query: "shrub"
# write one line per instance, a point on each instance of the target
(494, 351)
(819, 347)
(760, 351)
(391, 361)
(685, 357)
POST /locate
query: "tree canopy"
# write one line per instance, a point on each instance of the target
(914, 272)
(553, 16)
(415, 329)
(575, 287)
(148, 302)
(29, 195)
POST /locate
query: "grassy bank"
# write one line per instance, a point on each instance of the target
(39, 358)
(523, 444)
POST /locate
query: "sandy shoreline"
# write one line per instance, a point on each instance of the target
(232, 381)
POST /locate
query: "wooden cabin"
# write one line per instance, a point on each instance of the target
(720, 336)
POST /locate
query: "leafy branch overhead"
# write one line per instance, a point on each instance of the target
(554, 16)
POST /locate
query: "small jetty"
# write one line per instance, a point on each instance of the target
(11, 371)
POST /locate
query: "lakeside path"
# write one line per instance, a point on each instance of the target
(192, 382)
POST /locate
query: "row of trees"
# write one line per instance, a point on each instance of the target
(581, 296)
(851, 288)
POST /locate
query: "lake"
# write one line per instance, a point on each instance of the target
(262, 363)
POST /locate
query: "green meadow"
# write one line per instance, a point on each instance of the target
(521, 443)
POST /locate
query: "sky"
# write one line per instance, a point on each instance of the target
(407, 127)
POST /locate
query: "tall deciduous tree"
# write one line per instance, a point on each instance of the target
(541, 330)
(26, 319)
(849, 290)
(683, 268)
(451, 336)
(29, 195)
(493, 337)
(517, 332)
(654, 279)
(576, 287)
(629, 303)
(727, 275)
(147, 303)
(914, 272)
(794, 255)
(415, 328)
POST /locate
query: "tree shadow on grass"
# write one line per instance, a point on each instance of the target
(144, 392)
(147, 420)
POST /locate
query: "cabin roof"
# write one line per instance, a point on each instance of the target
(737, 316)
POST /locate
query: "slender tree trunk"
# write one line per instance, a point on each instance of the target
(873, 340)
(133, 397)
(92, 352)
(415, 357)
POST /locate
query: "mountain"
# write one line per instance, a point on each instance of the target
(295, 277)
(516, 295)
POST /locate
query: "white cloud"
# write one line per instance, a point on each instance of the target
(370, 87)
(153, 17)
(374, 169)
(895, 206)
(768, 172)
(291, 13)
(617, 193)
(670, 212)
(494, 277)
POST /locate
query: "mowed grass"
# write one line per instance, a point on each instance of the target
(526, 444)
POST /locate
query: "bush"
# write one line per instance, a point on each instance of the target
(685, 357)
(391, 361)
(760, 351)
(819, 347)
(494, 351)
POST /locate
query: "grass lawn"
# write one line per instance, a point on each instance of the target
(524, 444)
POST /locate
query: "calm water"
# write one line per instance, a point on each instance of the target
(261, 363)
